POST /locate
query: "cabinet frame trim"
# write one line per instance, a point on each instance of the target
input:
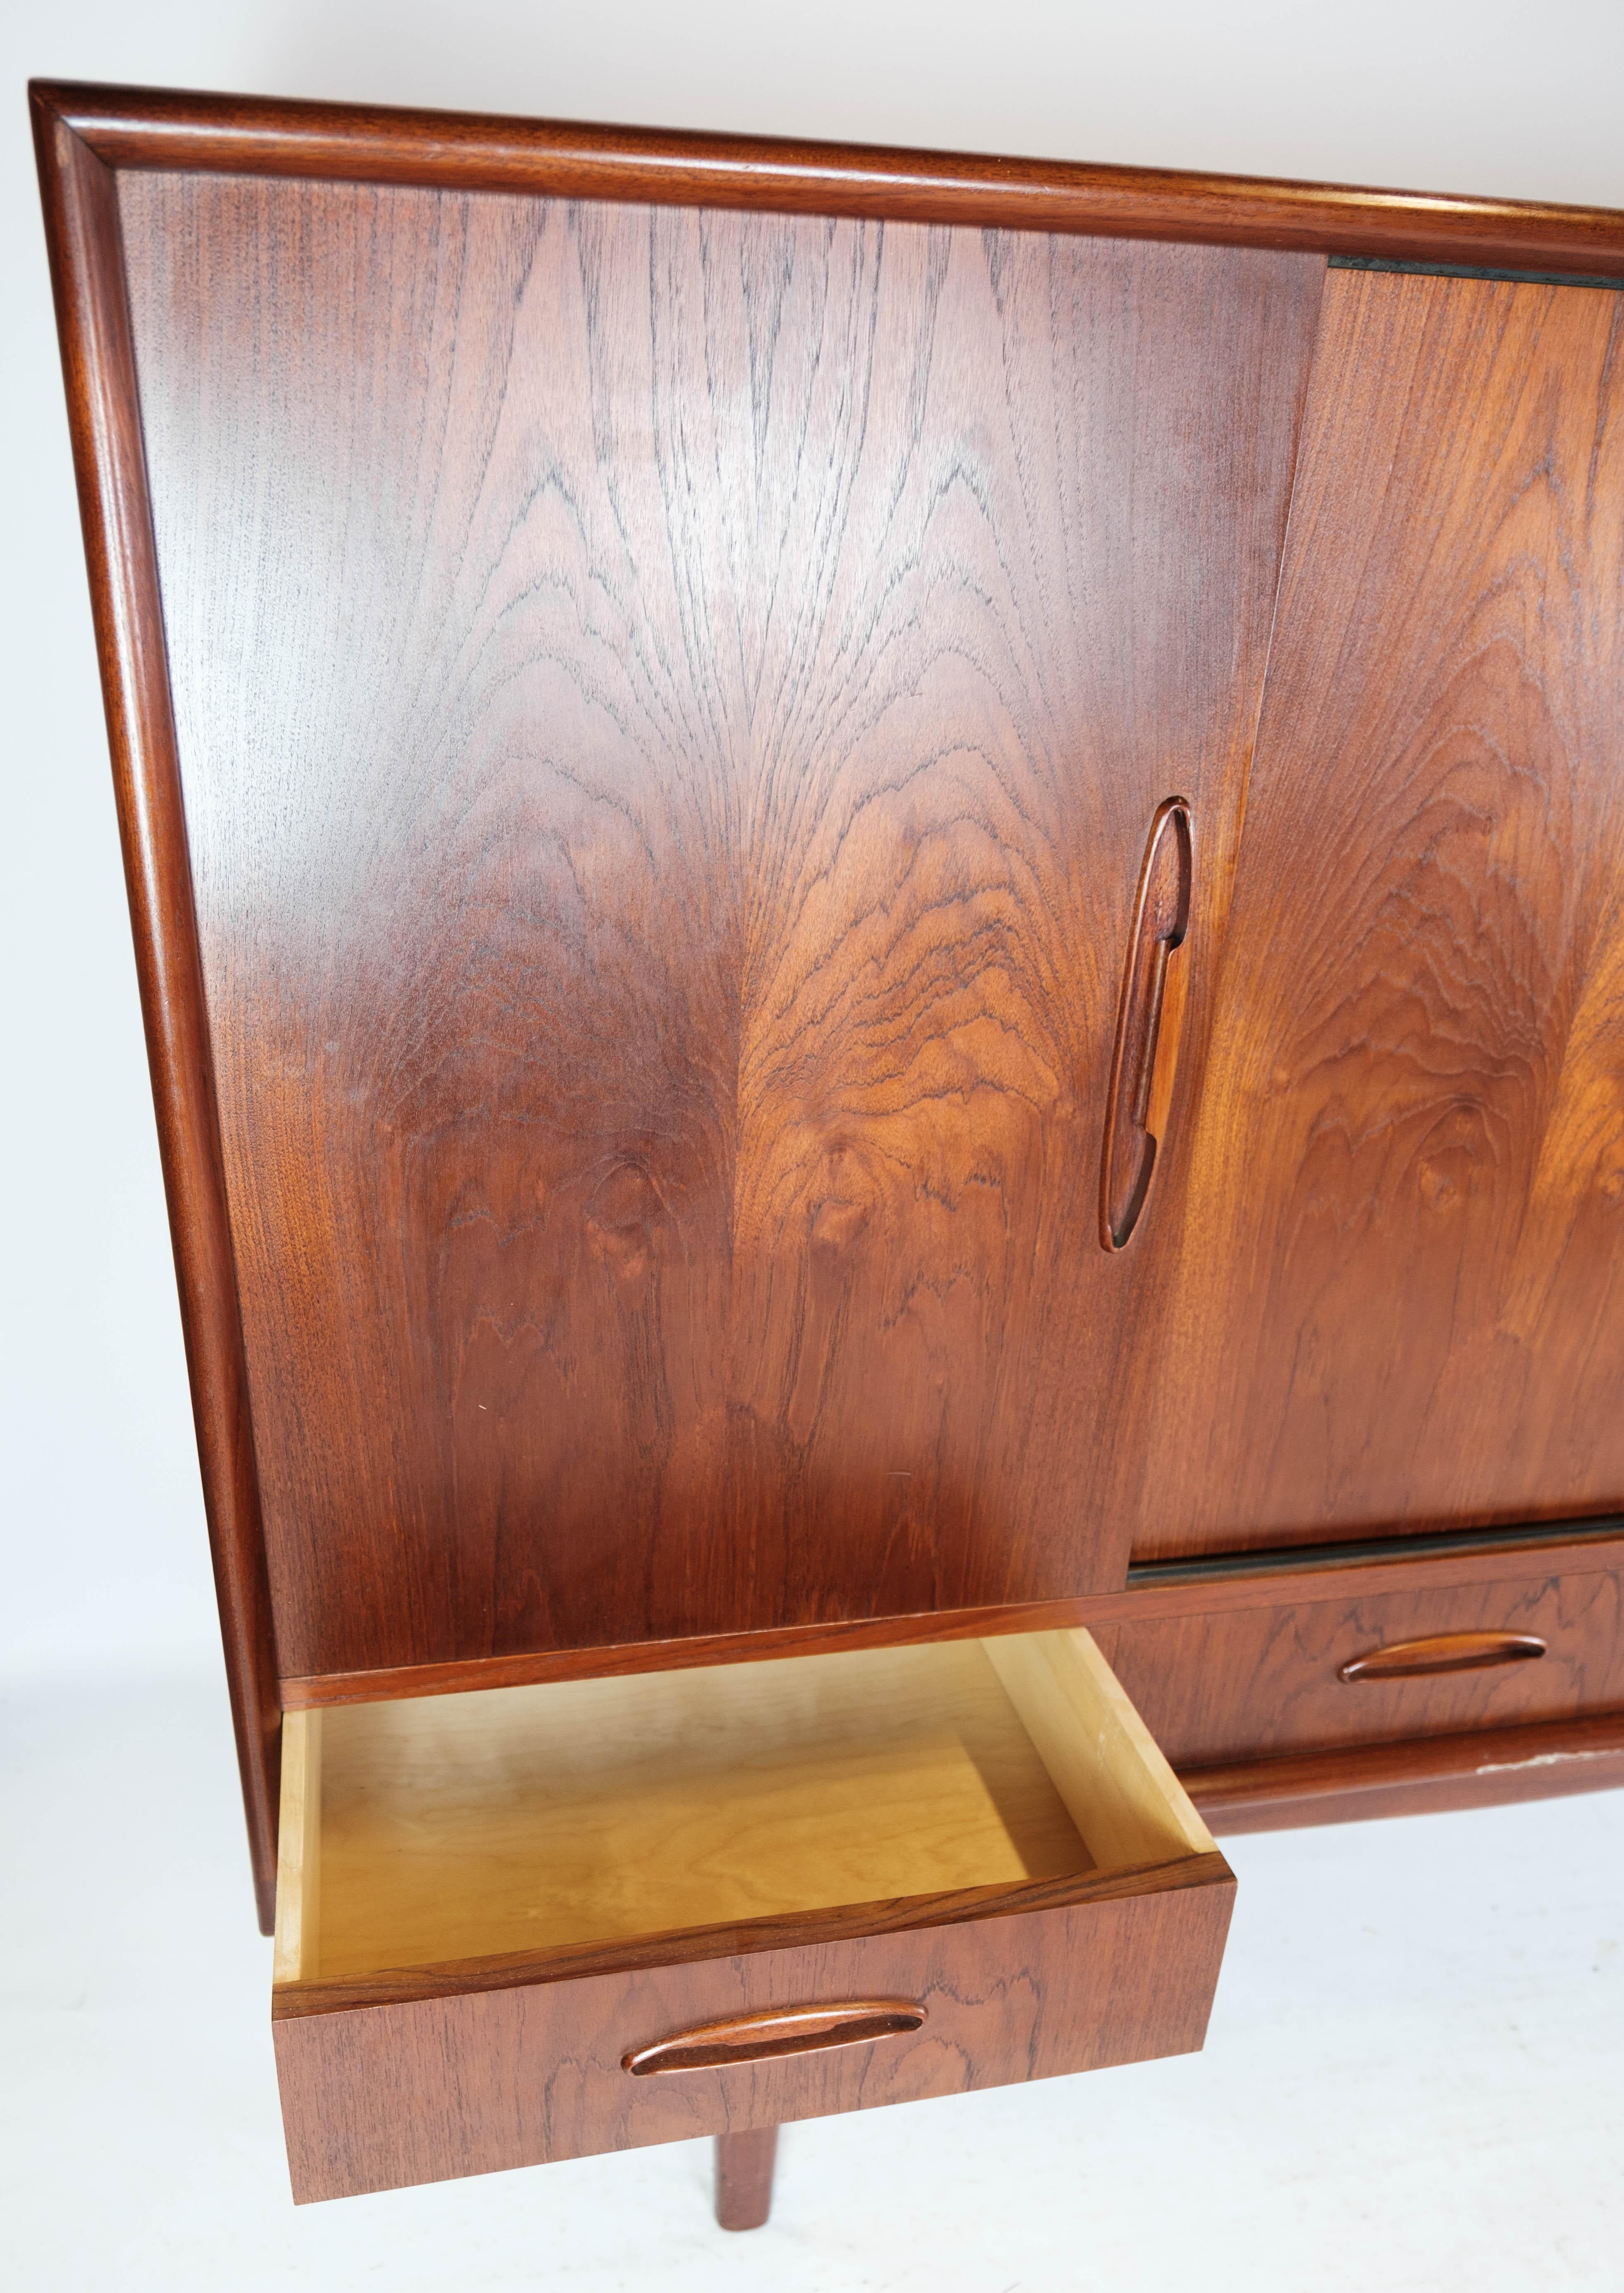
(333, 142)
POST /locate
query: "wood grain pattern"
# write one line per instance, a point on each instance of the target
(583, 1813)
(299, 1857)
(787, 1930)
(671, 708)
(1263, 1681)
(380, 2097)
(562, 577)
(146, 127)
(1123, 1797)
(82, 234)
(1402, 1279)
(1493, 1767)
(1149, 1025)
(554, 1823)
(1304, 1573)
(406, 1681)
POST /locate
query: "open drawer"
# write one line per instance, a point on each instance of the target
(532, 1922)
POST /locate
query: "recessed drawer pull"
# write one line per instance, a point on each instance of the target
(1445, 1652)
(776, 2030)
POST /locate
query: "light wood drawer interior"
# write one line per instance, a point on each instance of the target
(451, 1828)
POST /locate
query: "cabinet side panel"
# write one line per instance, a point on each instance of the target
(671, 705)
(1402, 1280)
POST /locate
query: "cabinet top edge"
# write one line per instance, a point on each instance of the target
(187, 131)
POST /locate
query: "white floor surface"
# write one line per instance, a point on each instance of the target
(1414, 2078)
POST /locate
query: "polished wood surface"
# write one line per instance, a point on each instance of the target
(1150, 1024)
(1400, 1287)
(250, 135)
(1390, 1565)
(744, 2177)
(1494, 1767)
(783, 1931)
(380, 2096)
(1256, 1682)
(1441, 1652)
(670, 709)
(82, 231)
(765, 1795)
(664, 711)
(774, 2030)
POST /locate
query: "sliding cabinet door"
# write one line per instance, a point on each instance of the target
(672, 707)
(1401, 1276)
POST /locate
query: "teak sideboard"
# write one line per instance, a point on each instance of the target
(880, 902)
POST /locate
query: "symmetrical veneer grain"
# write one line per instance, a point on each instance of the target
(670, 708)
(638, 670)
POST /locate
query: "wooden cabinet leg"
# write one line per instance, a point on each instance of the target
(744, 2177)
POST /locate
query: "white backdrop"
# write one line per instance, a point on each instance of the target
(100, 1511)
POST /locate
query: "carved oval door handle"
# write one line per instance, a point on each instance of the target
(773, 2031)
(1444, 1652)
(1150, 1020)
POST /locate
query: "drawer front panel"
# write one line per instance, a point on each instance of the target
(1255, 1683)
(379, 2097)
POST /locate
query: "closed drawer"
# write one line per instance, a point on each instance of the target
(529, 1924)
(1313, 1675)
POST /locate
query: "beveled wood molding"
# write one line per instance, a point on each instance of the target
(1491, 1767)
(82, 233)
(781, 1930)
(154, 128)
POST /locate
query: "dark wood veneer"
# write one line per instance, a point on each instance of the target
(1402, 1283)
(667, 765)
(378, 2097)
(362, 445)
(1300, 1576)
(1250, 1683)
